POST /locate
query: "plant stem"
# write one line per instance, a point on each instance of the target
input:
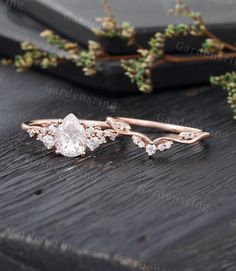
(226, 45)
(108, 9)
(171, 58)
(207, 32)
(120, 57)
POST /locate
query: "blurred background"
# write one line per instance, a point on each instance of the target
(115, 209)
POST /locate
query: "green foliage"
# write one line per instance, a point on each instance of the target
(157, 44)
(87, 59)
(227, 82)
(139, 70)
(177, 30)
(109, 28)
(61, 43)
(35, 57)
(211, 46)
(137, 67)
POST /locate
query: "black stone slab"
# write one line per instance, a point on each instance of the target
(110, 78)
(74, 19)
(175, 212)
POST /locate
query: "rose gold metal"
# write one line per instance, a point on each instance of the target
(175, 130)
(122, 126)
(45, 122)
(159, 125)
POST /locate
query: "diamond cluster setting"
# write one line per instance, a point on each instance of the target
(46, 135)
(71, 137)
(121, 125)
(187, 135)
(138, 141)
(152, 148)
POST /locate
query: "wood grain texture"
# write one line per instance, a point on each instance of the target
(175, 211)
(18, 254)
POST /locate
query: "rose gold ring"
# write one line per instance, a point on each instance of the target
(71, 136)
(179, 134)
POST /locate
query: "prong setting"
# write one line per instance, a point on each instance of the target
(71, 137)
(188, 135)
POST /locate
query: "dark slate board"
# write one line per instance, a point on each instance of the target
(110, 79)
(74, 19)
(174, 212)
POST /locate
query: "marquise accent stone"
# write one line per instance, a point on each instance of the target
(186, 135)
(138, 141)
(165, 145)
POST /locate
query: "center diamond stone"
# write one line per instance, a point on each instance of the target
(70, 137)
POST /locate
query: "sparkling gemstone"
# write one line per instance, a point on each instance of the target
(52, 129)
(40, 137)
(102, 140)
(122, 126)
(93, 143)
(151, 149)
(138, 141)
(165, 145)
(31, 132)
(48, 141)
(71, 137)
(90, 130)
(43, 131)
(111, 134)
(99, 133)
(135, 140)
(186, 135)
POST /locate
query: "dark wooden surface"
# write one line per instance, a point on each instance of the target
(175, 212)
(75, 18)
(110, 78)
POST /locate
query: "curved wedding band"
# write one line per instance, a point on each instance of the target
(71, 136)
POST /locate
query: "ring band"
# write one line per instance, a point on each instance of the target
(179, 134)
(71, 136)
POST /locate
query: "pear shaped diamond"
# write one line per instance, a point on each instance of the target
(71, 137)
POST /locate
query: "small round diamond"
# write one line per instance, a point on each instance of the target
(165, 145)
(135, 140)
(52, 129)
(110, 134)
(31, 132)
(93, 143)
(122, 126)
(138, 141)
(102, 140)
(48, 141)
(43, 131)
(40, 137)
(186, 135)
(151, 149)
(90, 130)
(99, 133)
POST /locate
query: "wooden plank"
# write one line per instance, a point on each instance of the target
(74, 19)
(110, 78)
(175, 211)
